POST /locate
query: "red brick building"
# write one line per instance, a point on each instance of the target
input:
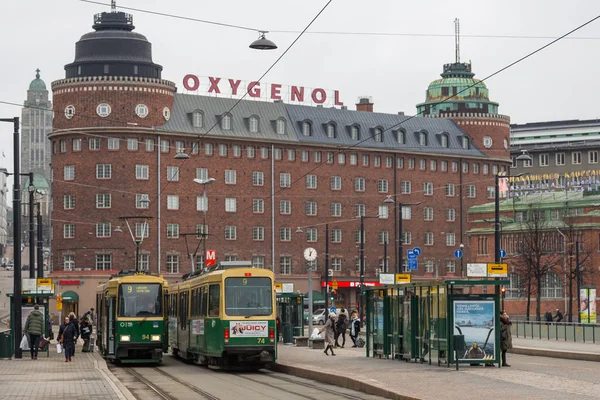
(118, 127)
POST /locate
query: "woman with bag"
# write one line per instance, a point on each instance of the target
(329, 329)
(340, 328)
(67, 337)
(505, 336)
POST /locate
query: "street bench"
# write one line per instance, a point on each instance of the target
(303, 341)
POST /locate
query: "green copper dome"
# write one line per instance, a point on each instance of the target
(37, 84)
(457, 92)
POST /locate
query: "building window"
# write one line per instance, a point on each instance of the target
(466, 143)
(253, 124)
(559, 158)
(172, 263)
(285, 207)
(428, 213)
(428, 188)
(230, 204)
(428, 266)
(305, 155)
(365, 160)
(172, 174)
(94, 143)
(551, 286)
(382, 185)
(433, 165)
(359, 184)
(230, 232)
(250, 152)
(285, 234)
(576, 157)
(475, 168)
(406, 212)
(104, 262)
(336, 264)
(69, 201)
(258, 206)
(444, 140)
(450, 266)
(465, 167)
(543, 159)
(226, 122)
(450, 214)
(422, 164)
(336, 183)
(341, 158)
(68, 231)
(378, 135)
(197, 119)
(443, 166)
(360, 210)
(411, 163)
(311, 181)
(285, 180)
(331, 134)
(172, 202)
(516, 287)
(202, 173)
(223, 150)
(142, 230)
(450, 190)
(354, 133)
(258, 261)
(103, 171)
(482, 246)
(450, 239)
(280, 127)
(172, 231)
(428, 238)
(406, 237)
(336, 209)
(383, 212)
(593, 157)
(317, 156)
(471, 191)
(141, 171)
(208, 149)
(114, 143)
(258, 233)
(491, 191)
(132, 144)
(144, 263)
(201, 203)
(306, 128)
(63, 146)
(389, 162)
(285, 265)
(103, 230)
(311, 235)
(69, 262)
(258, 178)
(76, 144)
(142, 201)
(103, 200)
(291, 155)
(405, 187)
(401, 137)
(311, 208)
(336, 236)
(277, 154)
(264, 153)
(383, 237)
(230, 177)
(353, 159)
(422, 139)
(103, 110)
(454, 166)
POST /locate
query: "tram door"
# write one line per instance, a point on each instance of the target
(111, 324)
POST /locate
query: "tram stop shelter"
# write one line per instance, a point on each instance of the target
(443, 321)
(290, 310)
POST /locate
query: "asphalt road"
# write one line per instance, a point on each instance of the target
(200, 382)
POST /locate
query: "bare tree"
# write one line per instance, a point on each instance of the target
(538, 256)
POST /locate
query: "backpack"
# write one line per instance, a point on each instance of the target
(360, 342)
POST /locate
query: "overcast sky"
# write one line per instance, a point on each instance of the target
(561, 82)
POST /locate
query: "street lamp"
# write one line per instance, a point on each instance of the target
(18, 324)
(31, 189)
(262, 43)
(400, 250)
(40, 237)
(204, 182)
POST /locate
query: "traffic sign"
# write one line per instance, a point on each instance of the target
(402, 278)
(334, 285)
(278, 287)
(502, 253)
(417, 251)
(497, 270)
(458, 253)
(332, 309)
(413, 264)
(211, 258)
(411, 254)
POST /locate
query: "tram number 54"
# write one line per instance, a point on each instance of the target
(261, 340)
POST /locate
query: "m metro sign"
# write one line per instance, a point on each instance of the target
(211, 258)
(497, 270)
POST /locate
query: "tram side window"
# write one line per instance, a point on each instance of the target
(214, 292)
(203, 300)
(194, 303)
(173, 305)
(183, 310)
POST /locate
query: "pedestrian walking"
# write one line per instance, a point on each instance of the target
(340, 328)
(354, 328)
(559, 316)
(75, 322)
(67, 338)
(505, 336)
(86, 331)
(34, 327)
(329, 329)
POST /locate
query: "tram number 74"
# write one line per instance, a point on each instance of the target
(261, 340)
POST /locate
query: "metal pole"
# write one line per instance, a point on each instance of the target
(31, 229)
(18, 302)
(362, 264)
(40, 243)
(385, 266)
(137, 253)
(564, 267)
(310, 298)
(326, 271)
(400, 241)
(204, 236)
(578, 277)
(496, 226)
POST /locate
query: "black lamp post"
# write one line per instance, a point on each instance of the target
(31, 189)
(40, 242)
(362, 262)
(400, 249)
(18, 325)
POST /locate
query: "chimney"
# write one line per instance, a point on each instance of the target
(365, 103)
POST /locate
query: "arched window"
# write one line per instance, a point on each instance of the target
(423, 138)
(378, 135)
(444, 140)
(253, 124)
(306, 128)
(354, 132)
(280, 126)
(226, 122)
(197, 119)
(551, 286)
(331, 134)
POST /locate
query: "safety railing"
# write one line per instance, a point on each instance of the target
(567, 331)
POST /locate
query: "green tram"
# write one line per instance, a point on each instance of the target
(224, 317)
(131, 318)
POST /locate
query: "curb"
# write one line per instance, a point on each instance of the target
(120, 390)
(567, 355)
(340, 381)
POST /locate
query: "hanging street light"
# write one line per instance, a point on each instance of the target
(262, 43)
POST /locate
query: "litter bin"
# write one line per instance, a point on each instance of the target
(6, 347)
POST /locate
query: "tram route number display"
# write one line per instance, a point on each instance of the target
(248, 329)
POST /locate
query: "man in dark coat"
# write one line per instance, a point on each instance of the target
(559, 316)
(34, 327)
(505, 336)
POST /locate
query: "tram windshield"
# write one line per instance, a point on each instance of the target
(248, 297)
(140, 300)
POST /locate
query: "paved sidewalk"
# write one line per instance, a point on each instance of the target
(557, 349)
(528, 378)
(86, 377)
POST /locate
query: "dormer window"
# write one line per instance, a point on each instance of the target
(444, 140)
(423, 138)
(354, 132)
(331, 131)
(378, 135)
(253, 124)
(197, 119)
(401, 137)
(306, 128)
(226, 122)
(466, 144)
(280, 126)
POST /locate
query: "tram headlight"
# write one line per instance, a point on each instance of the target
(155, 338)
(125, 338)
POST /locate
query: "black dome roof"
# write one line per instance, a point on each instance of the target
(113, 50)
